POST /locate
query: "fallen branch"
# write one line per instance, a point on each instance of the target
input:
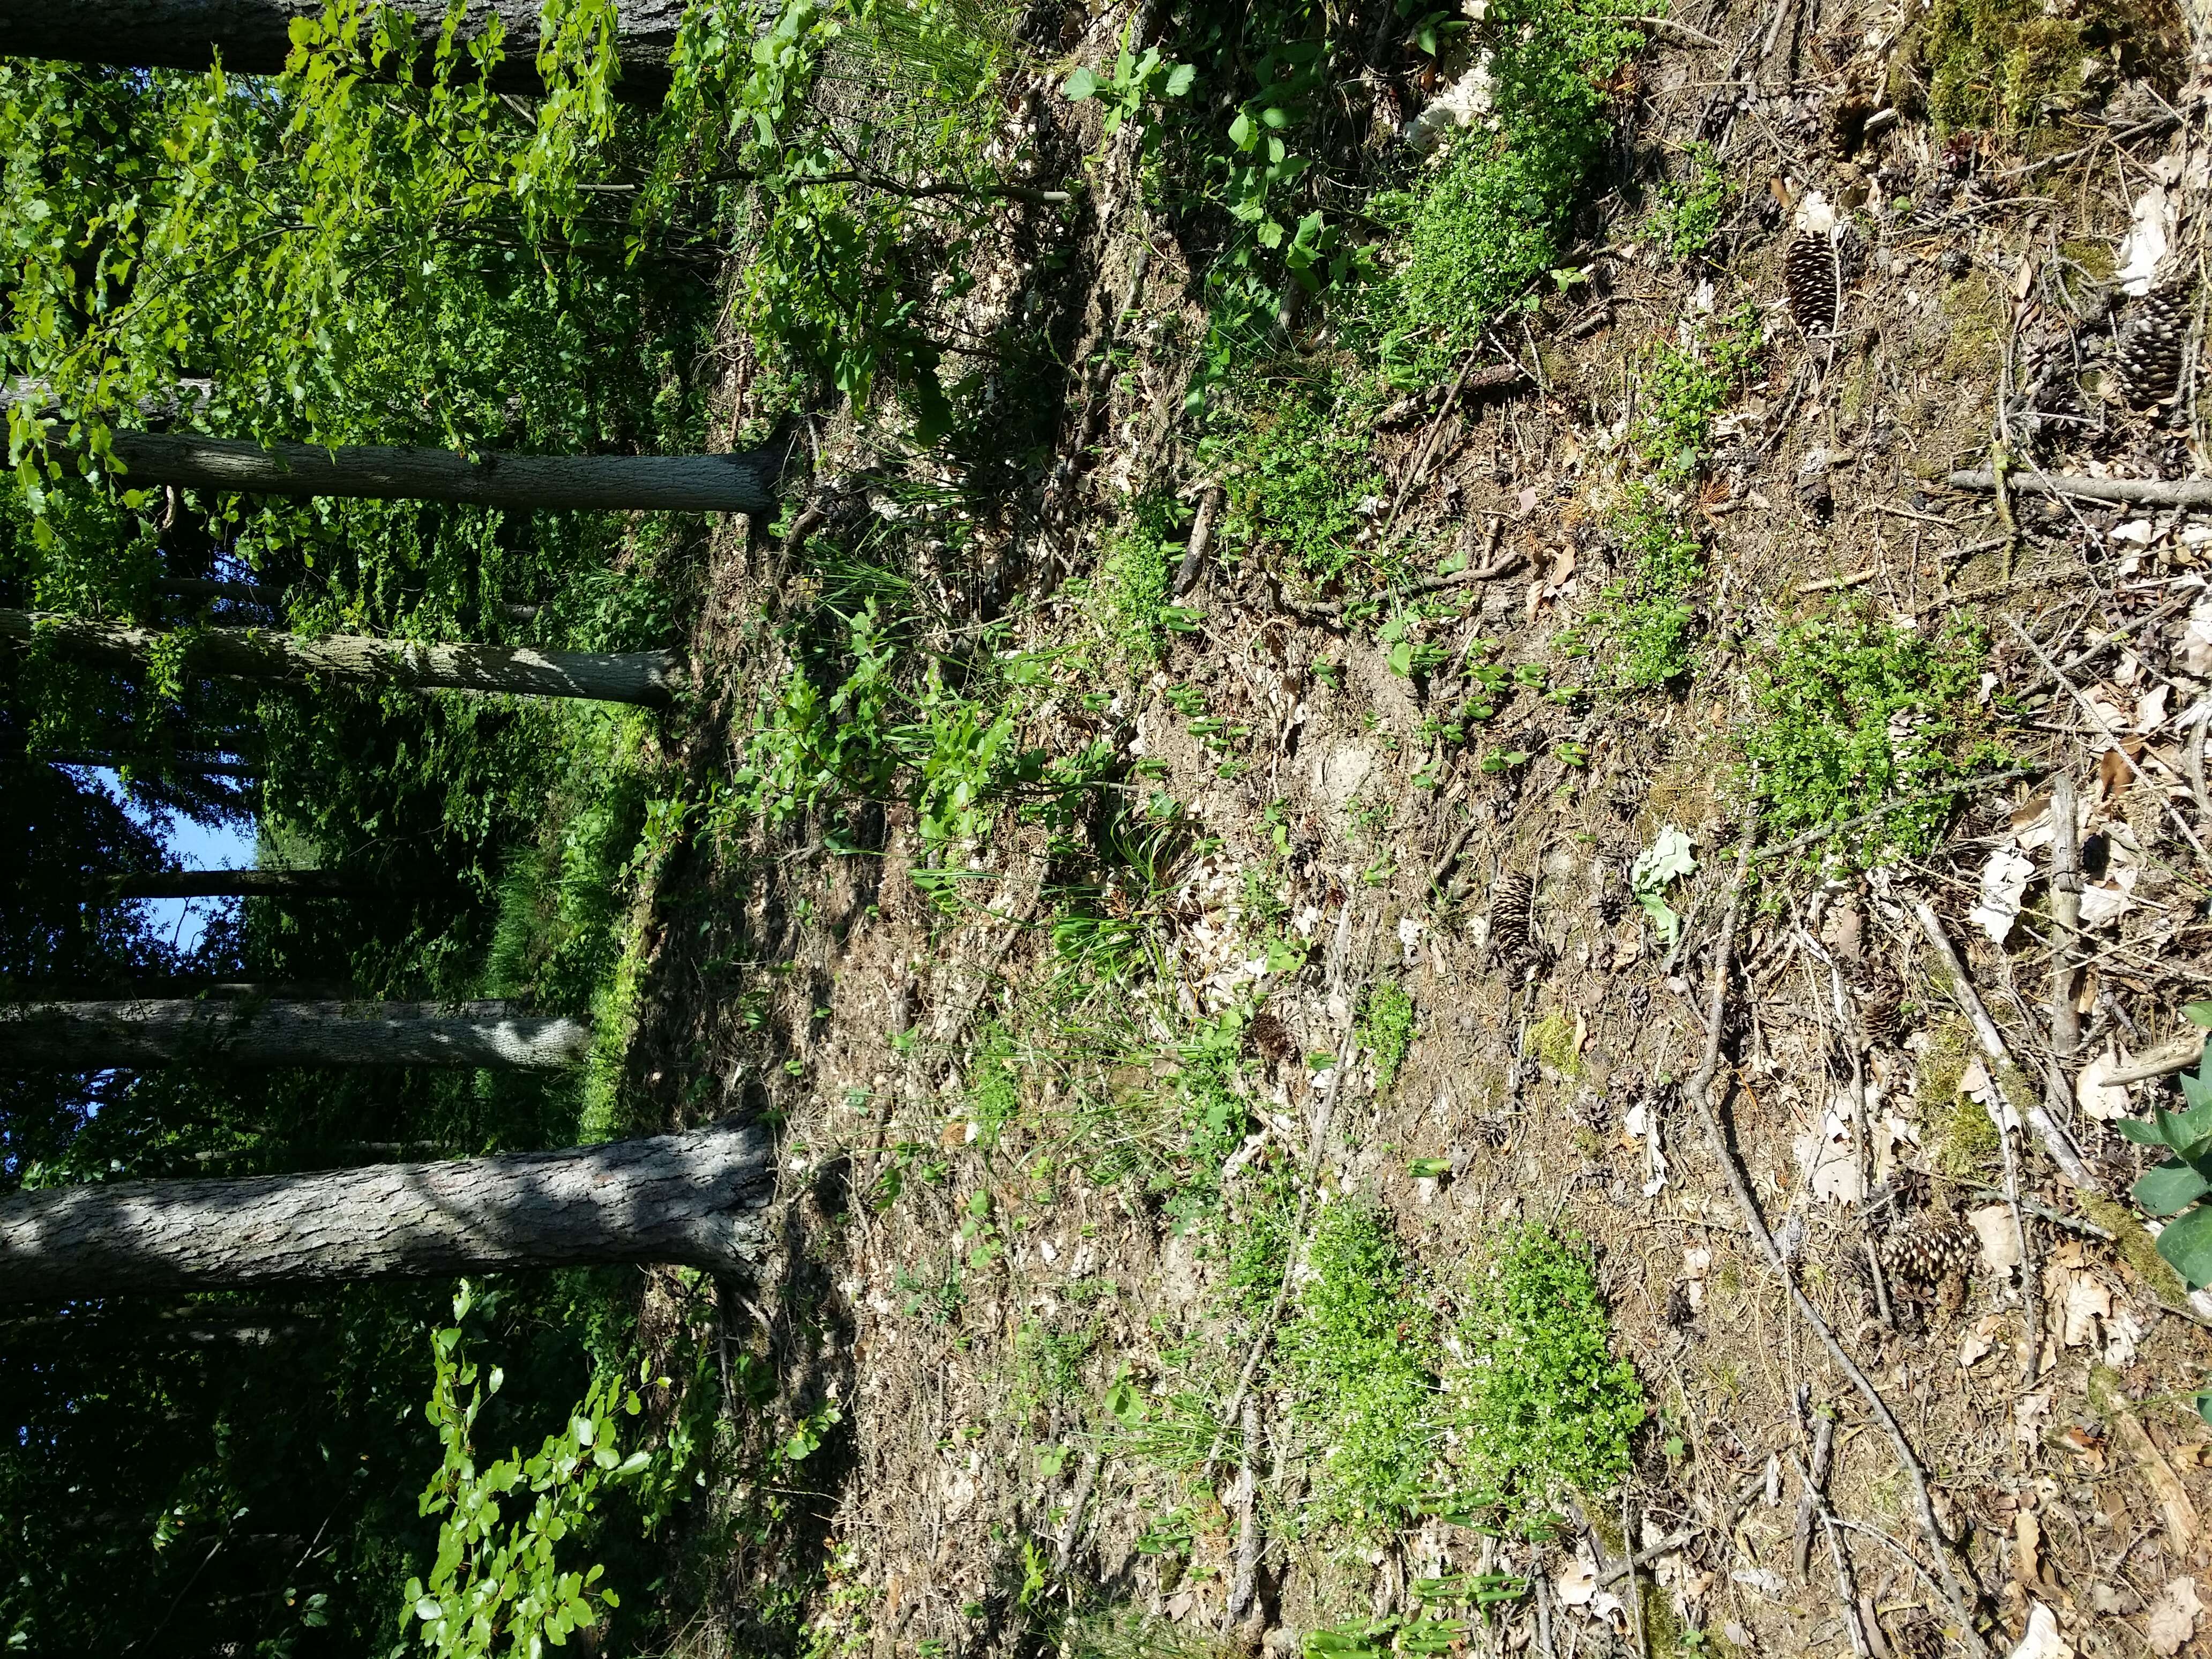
(1201, 537)
(2011, 1080)
(1699, 1094)
(2133, 492)
(1680, 31)
(1243, 1589)
(1329, 611)
(1443, 865)
(1072, 1527)
(2178, 1055)
(2096, 717)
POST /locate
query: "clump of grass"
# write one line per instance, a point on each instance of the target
(1490, 223)
(1363, 1359)
(1134, 578)
(1852, 711)
(1545, 1410)
(1049, 1361)
(1642, 630)
(1690, 208)
(1687, 385)
(1298, 469)
(1386, 1030)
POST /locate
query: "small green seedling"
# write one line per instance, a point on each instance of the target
(1667, 858)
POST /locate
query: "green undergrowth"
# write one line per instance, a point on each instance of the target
(1642, 632)
(1852, 711)
(1484, 230)
(1134, 615)
(1692, 203)
(1386, 1030)
(1295, 458)
(576, 901)
(1686, 385)
(1544, 1410)
(1362, 1359)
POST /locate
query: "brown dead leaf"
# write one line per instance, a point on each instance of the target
(2027, 1547)
(2173, 1613)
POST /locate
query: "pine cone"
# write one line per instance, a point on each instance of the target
(1928, 1250)
(1916, 1635)
(1809, 271)
(1612, 899)
(2148, 353)
(1268, 1033)
(1881, 997)
(1512, 916)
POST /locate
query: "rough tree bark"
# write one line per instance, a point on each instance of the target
(641, 676)
(240, 883)
(252, 35)
(695, 1199)
(158, 1031)
(206, 765)
(740, 482)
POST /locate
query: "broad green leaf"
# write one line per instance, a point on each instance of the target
(2198, 1014)
(2187, 1245)
(1079, 85)
(2169, 1187)
(2142, 1134)
(1180, 80)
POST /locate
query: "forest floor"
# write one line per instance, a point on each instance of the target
(1361, 948)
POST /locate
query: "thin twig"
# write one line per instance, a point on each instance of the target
(1699, 1095)
(2096, 717)
(2134, 492)
(2054, 1138)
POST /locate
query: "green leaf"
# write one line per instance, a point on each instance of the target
(1180, 80)
(2169, 1187)
(2187, 1245)
(1079, 85)
(2198, 1014)
(1429, 1169)
(2142, 1134)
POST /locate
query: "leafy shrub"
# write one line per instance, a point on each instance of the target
(2181, 1187)
(1641, 629)
(1491, 222)
(1853, 710)
(1299, 471)
(1543, 1409)
(1687, 385)
(1386, 1030)
(496, 1585)
(1363, 1356)
(1690, 209)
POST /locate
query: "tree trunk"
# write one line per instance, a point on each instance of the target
(641, 676)
(695, 1199)
(664, 483)
(240, 883)
(206, 765)
(156, 1032)
(196, 587)
(45, 1334)
(252, 35)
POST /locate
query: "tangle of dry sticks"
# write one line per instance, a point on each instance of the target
(1700, 1094)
